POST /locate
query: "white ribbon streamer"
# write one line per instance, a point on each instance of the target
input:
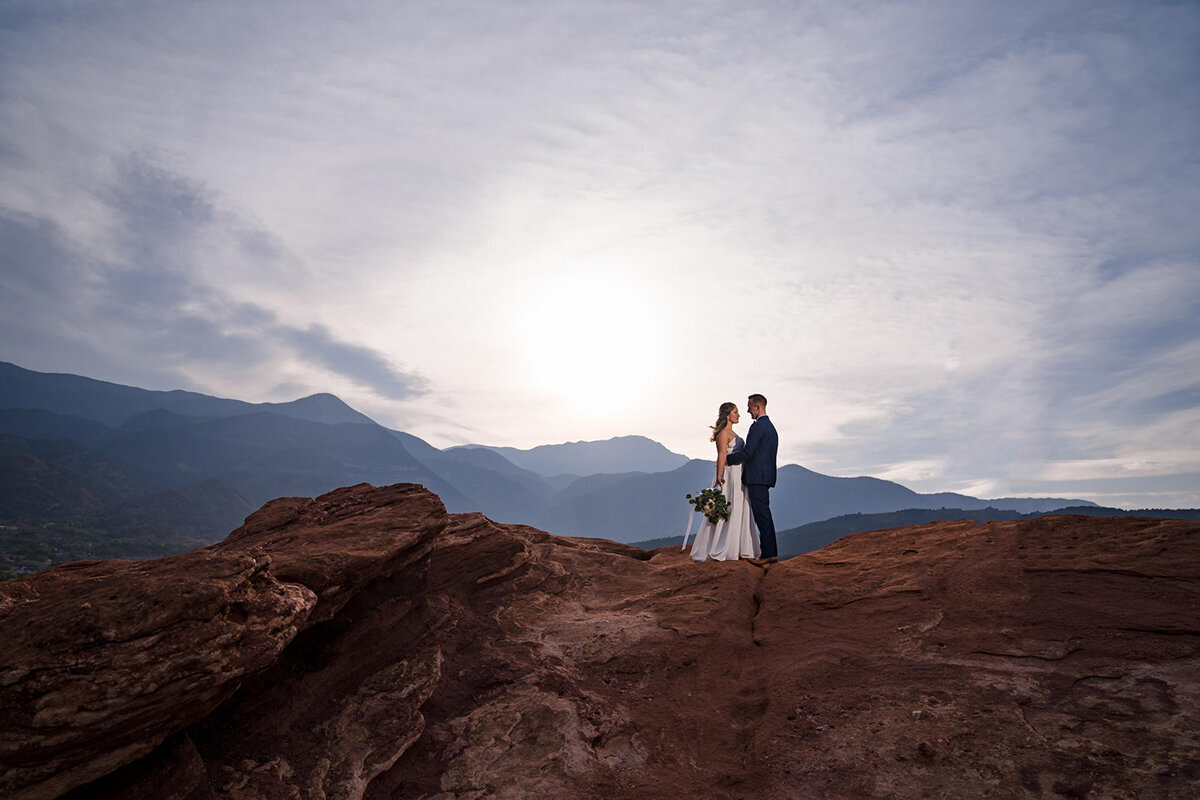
(688, 532)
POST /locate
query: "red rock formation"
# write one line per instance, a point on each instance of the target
(1059, 657)
(103, 660)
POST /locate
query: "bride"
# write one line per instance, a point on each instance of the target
(736, 537)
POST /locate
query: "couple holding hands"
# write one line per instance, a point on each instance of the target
(745, 475)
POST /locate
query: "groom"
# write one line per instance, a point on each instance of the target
(758, 473)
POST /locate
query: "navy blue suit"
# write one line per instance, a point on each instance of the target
(758, 473)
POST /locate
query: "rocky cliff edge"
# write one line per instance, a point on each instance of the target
(365, 644)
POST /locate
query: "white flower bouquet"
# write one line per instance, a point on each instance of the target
(711, 503)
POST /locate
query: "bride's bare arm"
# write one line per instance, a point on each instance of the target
(722, 440)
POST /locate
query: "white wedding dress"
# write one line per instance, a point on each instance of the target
(736, 537)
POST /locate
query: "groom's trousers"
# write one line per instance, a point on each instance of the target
(760, 506)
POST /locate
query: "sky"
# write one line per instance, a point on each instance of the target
(956, 244)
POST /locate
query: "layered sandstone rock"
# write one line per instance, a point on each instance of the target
(103, 660)
(1058, 657)
(382, 650)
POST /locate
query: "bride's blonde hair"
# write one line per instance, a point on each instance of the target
(722, 419)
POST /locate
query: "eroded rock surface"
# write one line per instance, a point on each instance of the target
(1053, 658)
(103, 660)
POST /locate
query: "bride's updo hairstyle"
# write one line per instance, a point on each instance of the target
(722, 419)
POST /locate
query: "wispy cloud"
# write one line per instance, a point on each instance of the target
(150, 306)
(952, 241)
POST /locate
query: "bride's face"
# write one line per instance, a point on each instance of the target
(734, 417)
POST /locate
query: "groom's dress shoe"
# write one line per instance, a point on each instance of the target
(762, 562)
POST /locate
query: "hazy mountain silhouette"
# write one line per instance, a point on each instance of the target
(637, 507)
(113, 404)
(265, 455)
(60, 501)
(57, 478)
(115, 464)
(162, 481)
(485, 480)
(616, 455)
(35, 423)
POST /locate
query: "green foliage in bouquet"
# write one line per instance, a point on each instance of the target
(711, 503)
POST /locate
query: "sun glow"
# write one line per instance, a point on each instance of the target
(589, 340)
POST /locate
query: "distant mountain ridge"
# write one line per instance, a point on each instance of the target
(610, 456)
(633, 508)
(90, 468)
(112, 403)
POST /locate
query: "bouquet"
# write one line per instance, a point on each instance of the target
(712, 503)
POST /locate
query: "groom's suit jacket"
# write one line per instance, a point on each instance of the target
(758, 456)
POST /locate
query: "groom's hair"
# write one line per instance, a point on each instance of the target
(758, 398)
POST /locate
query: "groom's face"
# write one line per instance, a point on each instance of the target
(754, 410)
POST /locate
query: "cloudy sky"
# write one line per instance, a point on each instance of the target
(955, 243)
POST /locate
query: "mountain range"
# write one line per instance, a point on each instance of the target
(571, 460)
(90, 468)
